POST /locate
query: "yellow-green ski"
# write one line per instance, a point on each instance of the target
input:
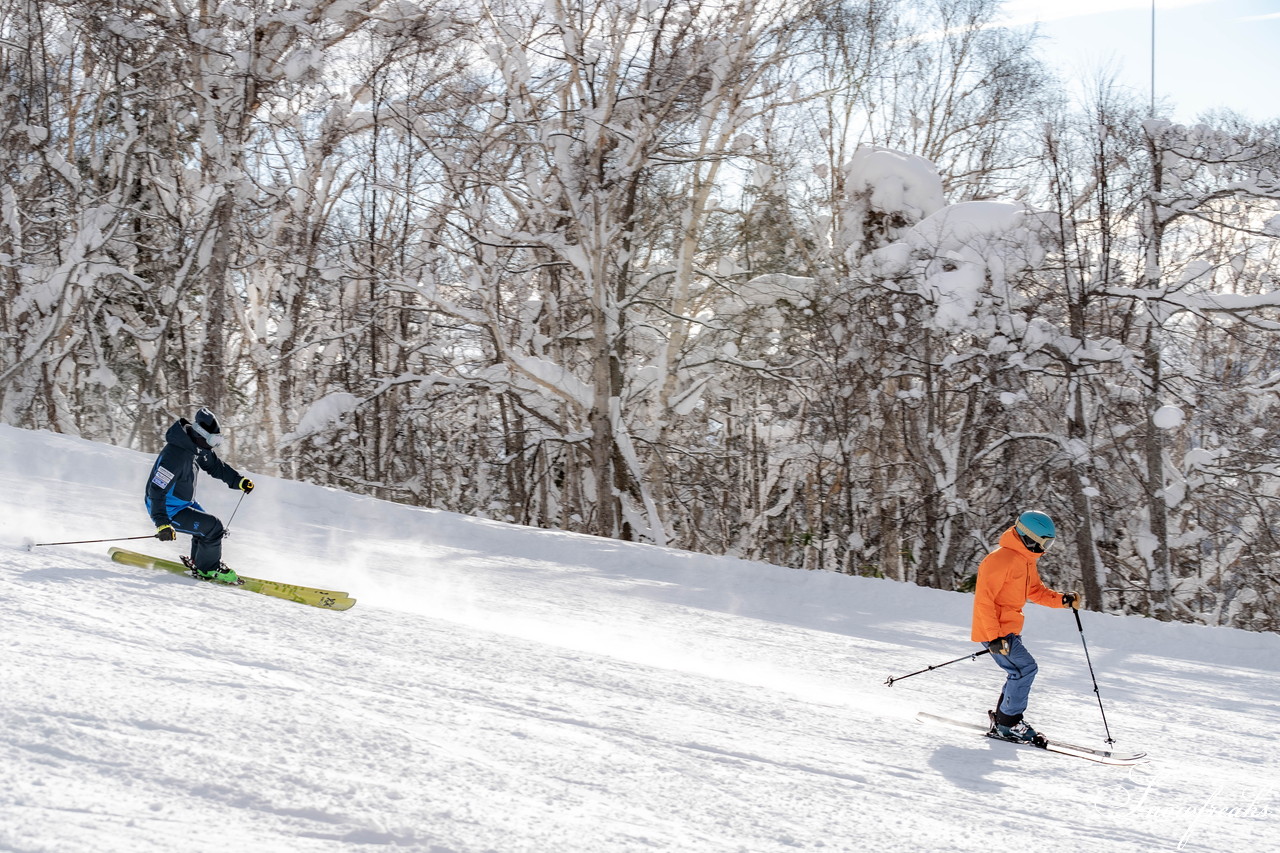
(327, 599)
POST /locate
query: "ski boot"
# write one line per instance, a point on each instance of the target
(223, 574)
(1018, 731)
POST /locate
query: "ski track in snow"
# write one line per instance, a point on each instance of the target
(503, 689)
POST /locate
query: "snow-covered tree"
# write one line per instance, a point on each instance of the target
(604, 146)
(838, 285)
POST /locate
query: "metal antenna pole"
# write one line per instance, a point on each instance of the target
(1152, 113)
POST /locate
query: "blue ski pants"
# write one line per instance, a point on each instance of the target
(1020, 669)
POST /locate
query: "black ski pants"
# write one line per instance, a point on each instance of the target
(206, 536)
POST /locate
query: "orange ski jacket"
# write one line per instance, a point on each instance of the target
(1007, 579)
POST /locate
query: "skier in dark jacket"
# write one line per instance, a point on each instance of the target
(171, 487)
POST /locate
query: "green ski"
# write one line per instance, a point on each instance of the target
(327, 599)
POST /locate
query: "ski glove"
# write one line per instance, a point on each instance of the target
(165, 533)
(246, 485)
(999, 646)
(1073, 600)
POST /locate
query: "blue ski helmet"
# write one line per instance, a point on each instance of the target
(1036, 531)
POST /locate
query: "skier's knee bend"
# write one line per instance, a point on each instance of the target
(216, 530)
(210, 531)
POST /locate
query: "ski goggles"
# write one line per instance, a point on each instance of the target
(213, 438)
(1045, 542)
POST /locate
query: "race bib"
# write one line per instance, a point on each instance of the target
(163, 477)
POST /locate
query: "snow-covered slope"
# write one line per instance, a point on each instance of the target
(505, 689)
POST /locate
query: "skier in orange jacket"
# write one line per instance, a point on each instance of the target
(1008, 579)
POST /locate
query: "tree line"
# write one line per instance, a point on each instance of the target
(835, 285)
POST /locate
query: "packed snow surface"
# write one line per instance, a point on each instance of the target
(505, 689)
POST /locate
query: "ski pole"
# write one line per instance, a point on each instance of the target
(226, 527)
(92, 541)
(1094, 677)
(891, 679)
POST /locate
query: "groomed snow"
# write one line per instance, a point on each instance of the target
(505, 689)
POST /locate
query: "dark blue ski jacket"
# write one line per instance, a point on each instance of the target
(171, 485)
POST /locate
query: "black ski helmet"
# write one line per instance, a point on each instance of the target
(206, 426)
